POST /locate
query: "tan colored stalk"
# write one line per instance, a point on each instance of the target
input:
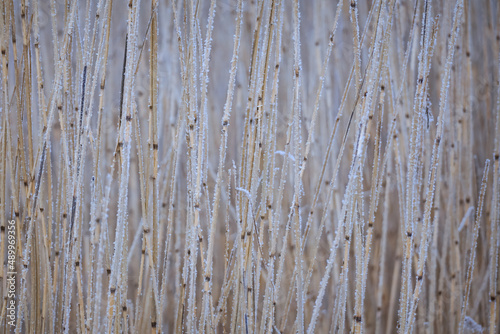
(495, 219)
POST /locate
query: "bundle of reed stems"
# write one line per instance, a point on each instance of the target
(249, 166)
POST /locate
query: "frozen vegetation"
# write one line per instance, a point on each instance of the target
(249, 166)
